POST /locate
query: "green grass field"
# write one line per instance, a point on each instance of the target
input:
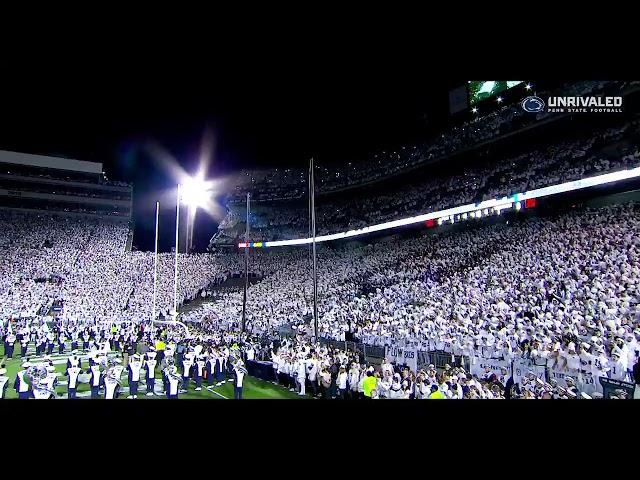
(254, 388)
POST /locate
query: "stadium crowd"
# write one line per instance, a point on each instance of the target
(559, 162)
(82, 262)
(564, 297)
(557, 295)
(290, 183)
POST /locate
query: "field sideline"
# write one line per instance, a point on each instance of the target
(254, 388)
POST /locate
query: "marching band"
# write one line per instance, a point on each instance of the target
(108, 351)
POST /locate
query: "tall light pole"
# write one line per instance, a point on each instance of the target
(175, 275)
(246, 264)
(312, 192)
(155, 266)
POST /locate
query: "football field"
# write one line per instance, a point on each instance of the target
(254, 388)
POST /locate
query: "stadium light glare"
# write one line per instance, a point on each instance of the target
(499, 99)
(195, 192)
(474, 109)
(527, 86)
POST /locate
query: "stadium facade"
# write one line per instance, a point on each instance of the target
(62, 186)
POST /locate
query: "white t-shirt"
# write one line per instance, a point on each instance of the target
(135, 370)
(110, 385)
(173, 385)
(200, 364)
(599, 366)
(354, 377)
(573, 361)
(239, 379)
(342, 380)
(151, 365)
(73, 376)
(618, 370)
(95, 370)
(312, 369)
(587, 383)
(186, 367)
(302, 370)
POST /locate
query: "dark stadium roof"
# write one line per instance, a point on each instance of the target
(263, 118)
(267, 105)
(262, 114)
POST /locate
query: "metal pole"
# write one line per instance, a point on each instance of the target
(191, 220)
(315, 277)
(246, 264)
(186, 240)
(155, 266)
(309, 212)
(175, 274)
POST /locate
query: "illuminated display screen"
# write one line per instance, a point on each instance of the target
(481, 90)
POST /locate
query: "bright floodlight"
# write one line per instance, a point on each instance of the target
(528, 86)
(474, 110)
(499, 99)
(195, 192)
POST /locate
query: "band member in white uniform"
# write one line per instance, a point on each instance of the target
(199, 370)
(134, 375)
(239, 372)
(72, 385)
(111, 386)
(187, 363)
(21, 384)
(9, 343)
(96, 379)
(150, 372)
(24, 343)
(173, 379)
(4, 382)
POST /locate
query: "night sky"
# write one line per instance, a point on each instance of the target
(265, 112)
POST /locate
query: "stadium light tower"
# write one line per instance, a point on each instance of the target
(175, 272)
(155, 265)
(195, 192)
(312, 194)
(246, 264)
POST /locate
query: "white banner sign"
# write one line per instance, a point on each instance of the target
(558, 376)
(478, 365)
(522, 367)
(403, 356)
(588, 384)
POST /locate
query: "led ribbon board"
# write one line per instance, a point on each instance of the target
(499, 204)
